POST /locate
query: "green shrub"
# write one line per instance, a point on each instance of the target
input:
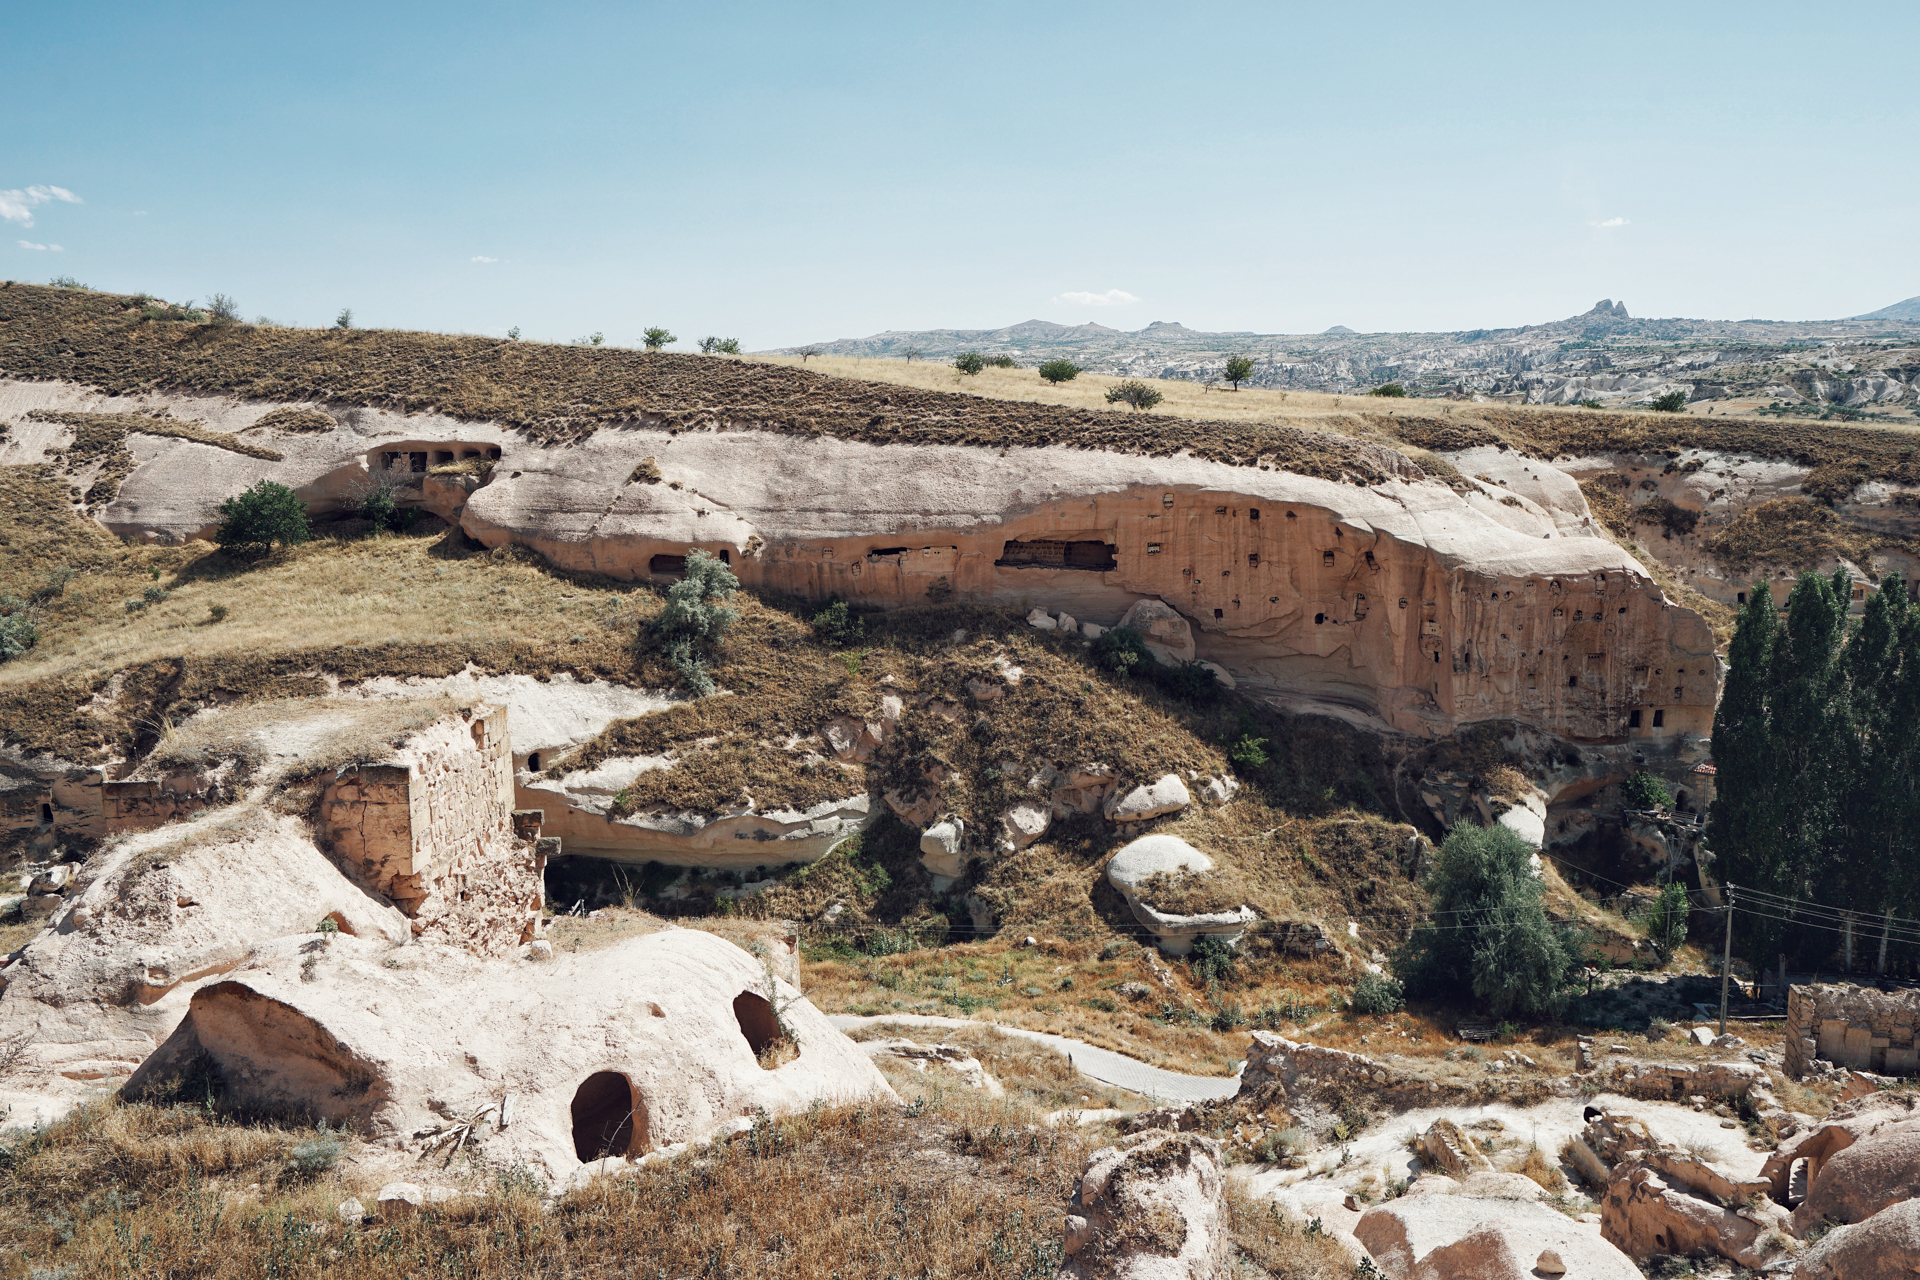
(1487, 935)
(1665, 922)
(345, 319)
(1189, 682)
(1211, 959)
(969, 362)
(17, 632)
(1248, 753)
(1388, 389)
(253, 523)
(379, 507)
(1645, 791)
(655, 338)
(696, 617)
(1672, 402)
(720, 346)
(1374, 995)
(1590, 404)
(222, 310)
(216, 613)
(1003, 362)
(1059, 370)
(838, 625)
(1238, 370)
(1121, 649)
(1136, 395)
(317, 1154)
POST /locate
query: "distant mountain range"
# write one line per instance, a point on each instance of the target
(1602, 354)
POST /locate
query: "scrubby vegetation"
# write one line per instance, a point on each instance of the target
(265, 516)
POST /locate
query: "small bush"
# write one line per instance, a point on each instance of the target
(1003, 362)
(1238, 370)
(696, 617)
(1392, 389)
(1059, 370)
(1190, 682)
(254, 522)
(1590, 404)
(655, 338)
(1248, 753)
(720, 346)
(1672, 402)
(1121, 649)
(317, 1154)
(216, 613)
(68, 282)
(222, 310)
(1136, 395)
(1211, 959)
(345, 319)
(154, 594)
(1665, 922)
(378, 507)
(17, 632)
(970, 362)
(838, 625)
(1374, 996)
(645, 471)
(1645, 791)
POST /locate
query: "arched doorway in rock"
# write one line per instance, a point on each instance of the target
(609, 1117)
(533, 763)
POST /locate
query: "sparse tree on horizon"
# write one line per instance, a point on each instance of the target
(1057, 371)
(1136, 395)
(720, 346)
(1238, 370)
(345, 319)
(807, 353)
(655, 338)
(969, 362)
(912, 354)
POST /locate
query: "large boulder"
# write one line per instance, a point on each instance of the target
(655, 1040)
(1139, 861)
(1166, 794)
(942, 849)
(1858, 1181)
(1462, 1236)
(1649, 1210)
(1155, 1210)
(1884, 1247)
(1168, 635)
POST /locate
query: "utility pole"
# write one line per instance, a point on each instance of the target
(1726, 962)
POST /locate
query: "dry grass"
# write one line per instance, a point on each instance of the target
(963, 1186)
(1798, 532)
(1032, 1073)
(1279, 1246)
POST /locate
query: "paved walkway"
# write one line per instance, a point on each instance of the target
(1089, 1060)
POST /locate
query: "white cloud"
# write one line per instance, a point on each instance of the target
(17, 205)
(481, 257)
(44, 248)
(1612, 222)
(1111, 298)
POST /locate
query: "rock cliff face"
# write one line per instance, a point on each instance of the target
(1402, 600)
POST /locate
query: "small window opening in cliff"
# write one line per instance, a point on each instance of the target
(1633, 719)
(1659, 719)
(606, 1108)
(1253, 513)
(1253, 560)
(726, 556)
(1166, 500)
(879, 552)
(1741, 598)
(667, 564)
(533, 763)
(416, 461)
(1153, 548)
(46, 814)
(1403, 602)
(1292, 516)
(1219, 613)
(442, 455)
(1219, 511)
(1043, 554)
(1573, 682)
(1319, 618)
(1623, 608)
(1326, 559)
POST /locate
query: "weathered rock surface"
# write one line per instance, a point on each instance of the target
(1168, 636)
(1649, 1210)
(1155, 799)
(649, 1042)
(1464, 1237)
(1451, 1151)
(1139, 861)
(1152, 1210)
(942, 848)
(1866, 1157)
(1884, 1247)
(924, 1057)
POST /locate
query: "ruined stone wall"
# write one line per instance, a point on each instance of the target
(1854, 1027)
(432, 828)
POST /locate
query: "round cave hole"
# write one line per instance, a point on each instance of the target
(607, 1115)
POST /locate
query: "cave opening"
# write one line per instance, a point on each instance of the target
(607, 1114)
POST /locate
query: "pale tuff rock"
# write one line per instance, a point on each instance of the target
(1138, 861)
(1884, 1247)
(941, 848)
(1649, 1211)
(1149, 800)
(650, 1042)
(1528, 819)
(1155, 1210)
(1168, 635)
(1023, 824)
(1864, 1158)
(1041, 619)
(1460, 1236)
(1450, 1150)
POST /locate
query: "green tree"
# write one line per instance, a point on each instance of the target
(656, 338)
(223, 310)
(1645, 791)
(969, 362)
(1121, 649)
(1391, 389)
(1488, 935)
(1672, 402)
(1665, 922)
(1238, 370)
(718, 346)
(254, 522)
(345, 319)
(1059, 370)
(1135, 394)
(696, 617)
(17, 631)
(838, 625)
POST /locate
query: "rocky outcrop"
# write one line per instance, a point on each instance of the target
(1447, 1233)
(1864, 1158)
(1448, 1149)
(1650, 1210)
(1175, 932)
(1153, 1209)
(653, 1041)
(1884, 1247)
(925, 1057)
(1154, 799)
(1168, 636)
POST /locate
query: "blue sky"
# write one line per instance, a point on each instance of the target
(785, 173)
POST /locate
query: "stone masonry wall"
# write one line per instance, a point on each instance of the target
(432, 828)
(1854, 1027)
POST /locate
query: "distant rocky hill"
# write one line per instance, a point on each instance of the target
(1603, 354)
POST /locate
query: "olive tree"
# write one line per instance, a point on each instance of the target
(254, 522)
(1135, 395)
(1238, 370)
(1059, 370)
